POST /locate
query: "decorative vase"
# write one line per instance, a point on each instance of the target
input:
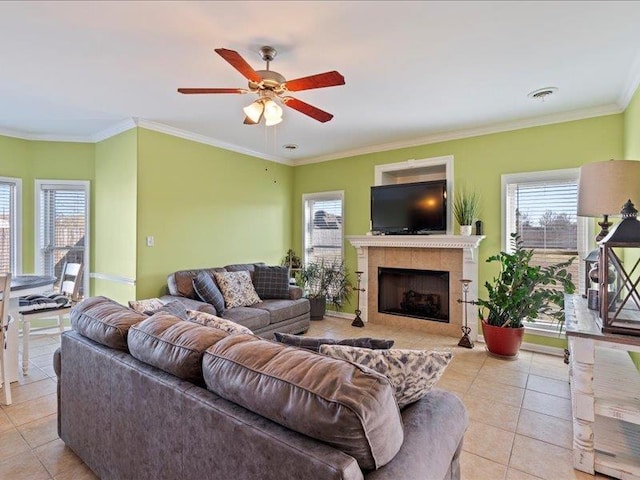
(502, 341)
(318, 307)
(465, 230)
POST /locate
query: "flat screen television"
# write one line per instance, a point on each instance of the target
(409, 208)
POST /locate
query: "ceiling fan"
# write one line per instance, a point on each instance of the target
(272, 88)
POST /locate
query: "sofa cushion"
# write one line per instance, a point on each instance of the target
(411, 372)
(212, 321)
(237, 288)
(271, 281)
(252, 318)
(173, 345)
(207, 290)
(280, 310)
(180, 283)
(313, 343)
(347, 406)
(104, 321)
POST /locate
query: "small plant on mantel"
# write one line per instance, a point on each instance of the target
(520, 292)
(466, 207)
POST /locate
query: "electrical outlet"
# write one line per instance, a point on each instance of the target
(150, 241)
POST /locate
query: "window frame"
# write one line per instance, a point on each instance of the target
(587, 238)
(86, 186)
(16, 261)
(331, 195)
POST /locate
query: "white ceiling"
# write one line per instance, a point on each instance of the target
(414, 71)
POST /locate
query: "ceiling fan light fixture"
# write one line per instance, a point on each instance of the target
(255, 111)
(272, 113)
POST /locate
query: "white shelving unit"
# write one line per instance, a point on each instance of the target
(605, 396)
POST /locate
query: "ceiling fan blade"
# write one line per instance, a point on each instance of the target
(310, 110)
(240, 64)
(321, 80)
(212, 90)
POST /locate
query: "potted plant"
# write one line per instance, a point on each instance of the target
(520, 292)
(466, 206)
(324, 282)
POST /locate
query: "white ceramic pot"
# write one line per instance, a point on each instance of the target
(465, 230)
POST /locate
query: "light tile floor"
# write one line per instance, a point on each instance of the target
(519, 429)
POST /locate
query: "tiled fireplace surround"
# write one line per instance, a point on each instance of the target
(455, 254)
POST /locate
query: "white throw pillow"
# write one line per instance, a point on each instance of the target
(412, 373)
(212, 321)
(237, 289)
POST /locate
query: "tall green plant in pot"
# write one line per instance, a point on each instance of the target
(324, 282)
(466, 207)
(521, 292)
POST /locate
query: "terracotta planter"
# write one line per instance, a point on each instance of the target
(318, 308)
(501, 341)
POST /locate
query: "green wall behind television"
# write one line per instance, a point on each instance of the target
(479, 163)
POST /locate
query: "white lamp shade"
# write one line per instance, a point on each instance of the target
(254, 111)
(272, 112)
(604, 187)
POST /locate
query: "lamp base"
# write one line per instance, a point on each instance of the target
(604, 228)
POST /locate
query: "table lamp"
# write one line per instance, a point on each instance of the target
(604, 187)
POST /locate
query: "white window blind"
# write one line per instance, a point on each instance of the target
(542, 208)
(62, 226)
(323, 227)
(8, 226)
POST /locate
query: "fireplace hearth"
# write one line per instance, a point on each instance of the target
(422, 294)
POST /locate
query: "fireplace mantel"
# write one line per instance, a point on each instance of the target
(468, 245)
(416, 241)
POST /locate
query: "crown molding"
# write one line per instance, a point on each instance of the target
(196, 137)
(6, 132)
(114, 130)
(45, 137)
(471, 132)
(631, 85)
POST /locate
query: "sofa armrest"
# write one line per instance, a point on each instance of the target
(295, 293)
(433, 431)
(191, 304)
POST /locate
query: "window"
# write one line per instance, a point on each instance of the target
(10, 241)
(542, 208)
(62, 220)
(323, 227)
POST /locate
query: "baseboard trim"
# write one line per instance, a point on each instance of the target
(346, 316)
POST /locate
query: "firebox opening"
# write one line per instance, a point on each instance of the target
(414, 293)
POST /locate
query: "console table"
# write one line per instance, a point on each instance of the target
(605, 395)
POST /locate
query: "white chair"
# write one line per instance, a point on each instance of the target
(5, 286)
(67, 296)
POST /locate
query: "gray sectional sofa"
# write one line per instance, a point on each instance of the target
(160, 398)
(289, 315)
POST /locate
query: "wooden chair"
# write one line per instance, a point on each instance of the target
(70, 281)
(5, 286)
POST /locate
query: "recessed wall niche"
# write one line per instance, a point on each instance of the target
(423, 170)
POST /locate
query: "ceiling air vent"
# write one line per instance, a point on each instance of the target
(542, 93)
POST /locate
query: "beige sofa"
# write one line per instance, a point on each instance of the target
(287, 315)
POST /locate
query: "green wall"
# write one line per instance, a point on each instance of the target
(206, 207)
(31, 160)
(478, 162)
(632, 152)
(114, 239)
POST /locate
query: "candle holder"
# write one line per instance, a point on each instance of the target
(357, 322)
(465, 341)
